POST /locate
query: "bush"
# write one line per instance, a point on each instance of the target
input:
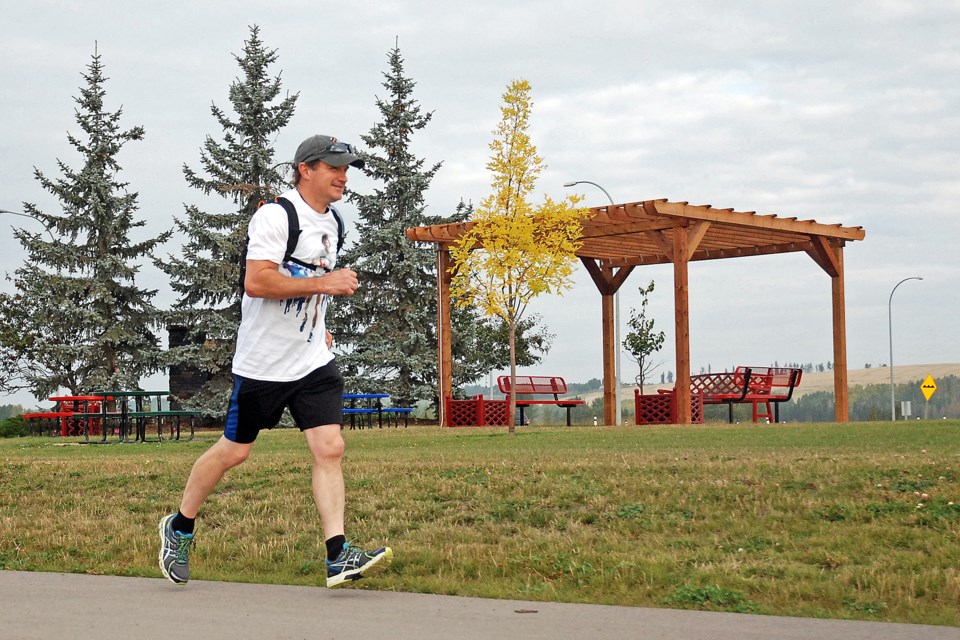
(15, 427)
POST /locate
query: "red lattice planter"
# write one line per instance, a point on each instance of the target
(653, 409)
(662, 408)
(496, 413)
(696, 408)
(477, 412)
(462, 413)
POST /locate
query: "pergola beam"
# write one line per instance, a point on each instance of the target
(823, 254)
(751, 219)
(707, 254)
(622, 229)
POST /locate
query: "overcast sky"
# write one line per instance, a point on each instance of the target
(843, 112)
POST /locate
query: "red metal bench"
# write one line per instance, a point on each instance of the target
(756, 385)
(539, 386)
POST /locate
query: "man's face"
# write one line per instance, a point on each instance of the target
(323, 182)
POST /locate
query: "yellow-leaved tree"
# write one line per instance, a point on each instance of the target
(515, 251)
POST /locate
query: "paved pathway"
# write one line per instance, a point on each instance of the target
(46, 606)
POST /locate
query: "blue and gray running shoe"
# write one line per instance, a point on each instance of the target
(174, 552)
(353, 564)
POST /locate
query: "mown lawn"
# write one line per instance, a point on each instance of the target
(842, 521)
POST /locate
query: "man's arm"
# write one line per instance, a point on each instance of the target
(263, 280)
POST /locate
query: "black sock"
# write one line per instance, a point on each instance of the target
(335, 546)
(182, 523)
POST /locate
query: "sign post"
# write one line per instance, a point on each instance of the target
(929, 387)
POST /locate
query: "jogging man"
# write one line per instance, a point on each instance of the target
(283, 359)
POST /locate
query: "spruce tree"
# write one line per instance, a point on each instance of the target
(386, 331)
(240, 168)
(77, 320)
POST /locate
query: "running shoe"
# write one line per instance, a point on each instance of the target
(353, 564)
(174, 552)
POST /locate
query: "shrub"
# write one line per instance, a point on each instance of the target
(15, 427)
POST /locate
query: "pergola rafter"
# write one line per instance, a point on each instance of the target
(618, 238)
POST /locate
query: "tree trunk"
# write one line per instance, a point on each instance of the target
(643, 378)
(513, 376)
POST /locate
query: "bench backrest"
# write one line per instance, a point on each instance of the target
(716, 384)
(745, 382)
(533, 385)
(764, 379)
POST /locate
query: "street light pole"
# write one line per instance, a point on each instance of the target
(27, 215)
(893, 406)
(616, 311)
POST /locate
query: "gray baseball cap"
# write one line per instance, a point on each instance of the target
(329, 150)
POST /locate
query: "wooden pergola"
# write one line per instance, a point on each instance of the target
(618, 238)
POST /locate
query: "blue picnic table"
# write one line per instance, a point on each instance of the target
(369, 404)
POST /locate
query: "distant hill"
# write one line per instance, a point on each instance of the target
(902, 374)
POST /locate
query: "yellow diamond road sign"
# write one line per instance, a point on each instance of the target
(928, 387)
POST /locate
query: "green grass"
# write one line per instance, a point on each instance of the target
(801, 520)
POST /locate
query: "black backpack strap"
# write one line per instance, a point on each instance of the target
(293, 222)
(293, 225)
(341, 233)
(293, 237)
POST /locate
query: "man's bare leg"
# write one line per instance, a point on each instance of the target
(208, 470)
(176, 530)
(326, 447)
(351, 563)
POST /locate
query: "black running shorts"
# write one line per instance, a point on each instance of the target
(314, 400)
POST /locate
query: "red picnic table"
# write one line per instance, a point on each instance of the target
(69, 405)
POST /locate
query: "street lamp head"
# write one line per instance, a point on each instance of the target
(573, 182)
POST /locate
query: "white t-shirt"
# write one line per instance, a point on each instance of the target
(284, 340)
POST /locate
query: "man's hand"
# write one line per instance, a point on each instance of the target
(342, 282)
(329, 340)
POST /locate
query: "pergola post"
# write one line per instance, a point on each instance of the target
(609, 361)
(444, 341)
(608, 283)
(841, 394)
(829, 255)
(681, 304)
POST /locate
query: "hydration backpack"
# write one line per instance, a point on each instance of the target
(293, 236)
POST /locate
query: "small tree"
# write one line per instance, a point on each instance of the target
(77, 320)
(642, 341)
(514, 252)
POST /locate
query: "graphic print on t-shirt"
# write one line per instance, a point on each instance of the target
(317, 304)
